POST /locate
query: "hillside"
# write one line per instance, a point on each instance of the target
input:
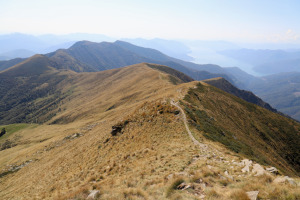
(121, 132)
(30, 91)
(248, 96)
(244, 127)
(63, 60)
(5, 64)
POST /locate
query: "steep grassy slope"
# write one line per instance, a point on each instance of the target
(243, 94)
(100, 100)
(63, 60)
(32, 91)
(118, 132)
(244, 127)
(174, 73)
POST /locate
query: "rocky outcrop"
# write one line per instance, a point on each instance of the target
(118, 128)
(272, 170)
(246, 163)
(252, 195)
(258, 170)
(93, 194)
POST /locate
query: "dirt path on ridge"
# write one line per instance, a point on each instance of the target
(196, 142)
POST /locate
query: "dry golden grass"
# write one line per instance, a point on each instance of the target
(239, 195)
(144, 151)
(142, 162)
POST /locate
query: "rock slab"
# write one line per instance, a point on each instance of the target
(258, 170)
(93, 194)
(252, 195)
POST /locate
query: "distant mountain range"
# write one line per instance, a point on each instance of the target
(88, 56)
(18, 53)
(171, 48)
(11, 44)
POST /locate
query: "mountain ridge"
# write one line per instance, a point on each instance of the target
(117, 131)
(91, 56)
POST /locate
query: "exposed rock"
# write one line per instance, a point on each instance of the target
(226, 173)
(73, 136)
(258, 170)
(272, 170)
(252, 195)
(93, 194)
(118, 128)
(183, 186)
(247, 163)
(14, 168)
(246, 169)
(283, 179)
(228, 176)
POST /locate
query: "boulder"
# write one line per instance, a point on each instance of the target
(272, 170)
(246, 169)
(258, 170)
(246, 163)
(116, 129)
(252, 195)
(183, 186)
(93, 194)
(228, 176)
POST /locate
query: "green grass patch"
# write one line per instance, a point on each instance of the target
(12, 128)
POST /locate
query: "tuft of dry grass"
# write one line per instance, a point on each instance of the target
(135, 193)
(211, 193)
(239, 195)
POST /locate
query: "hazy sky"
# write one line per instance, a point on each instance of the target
(235, 20)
